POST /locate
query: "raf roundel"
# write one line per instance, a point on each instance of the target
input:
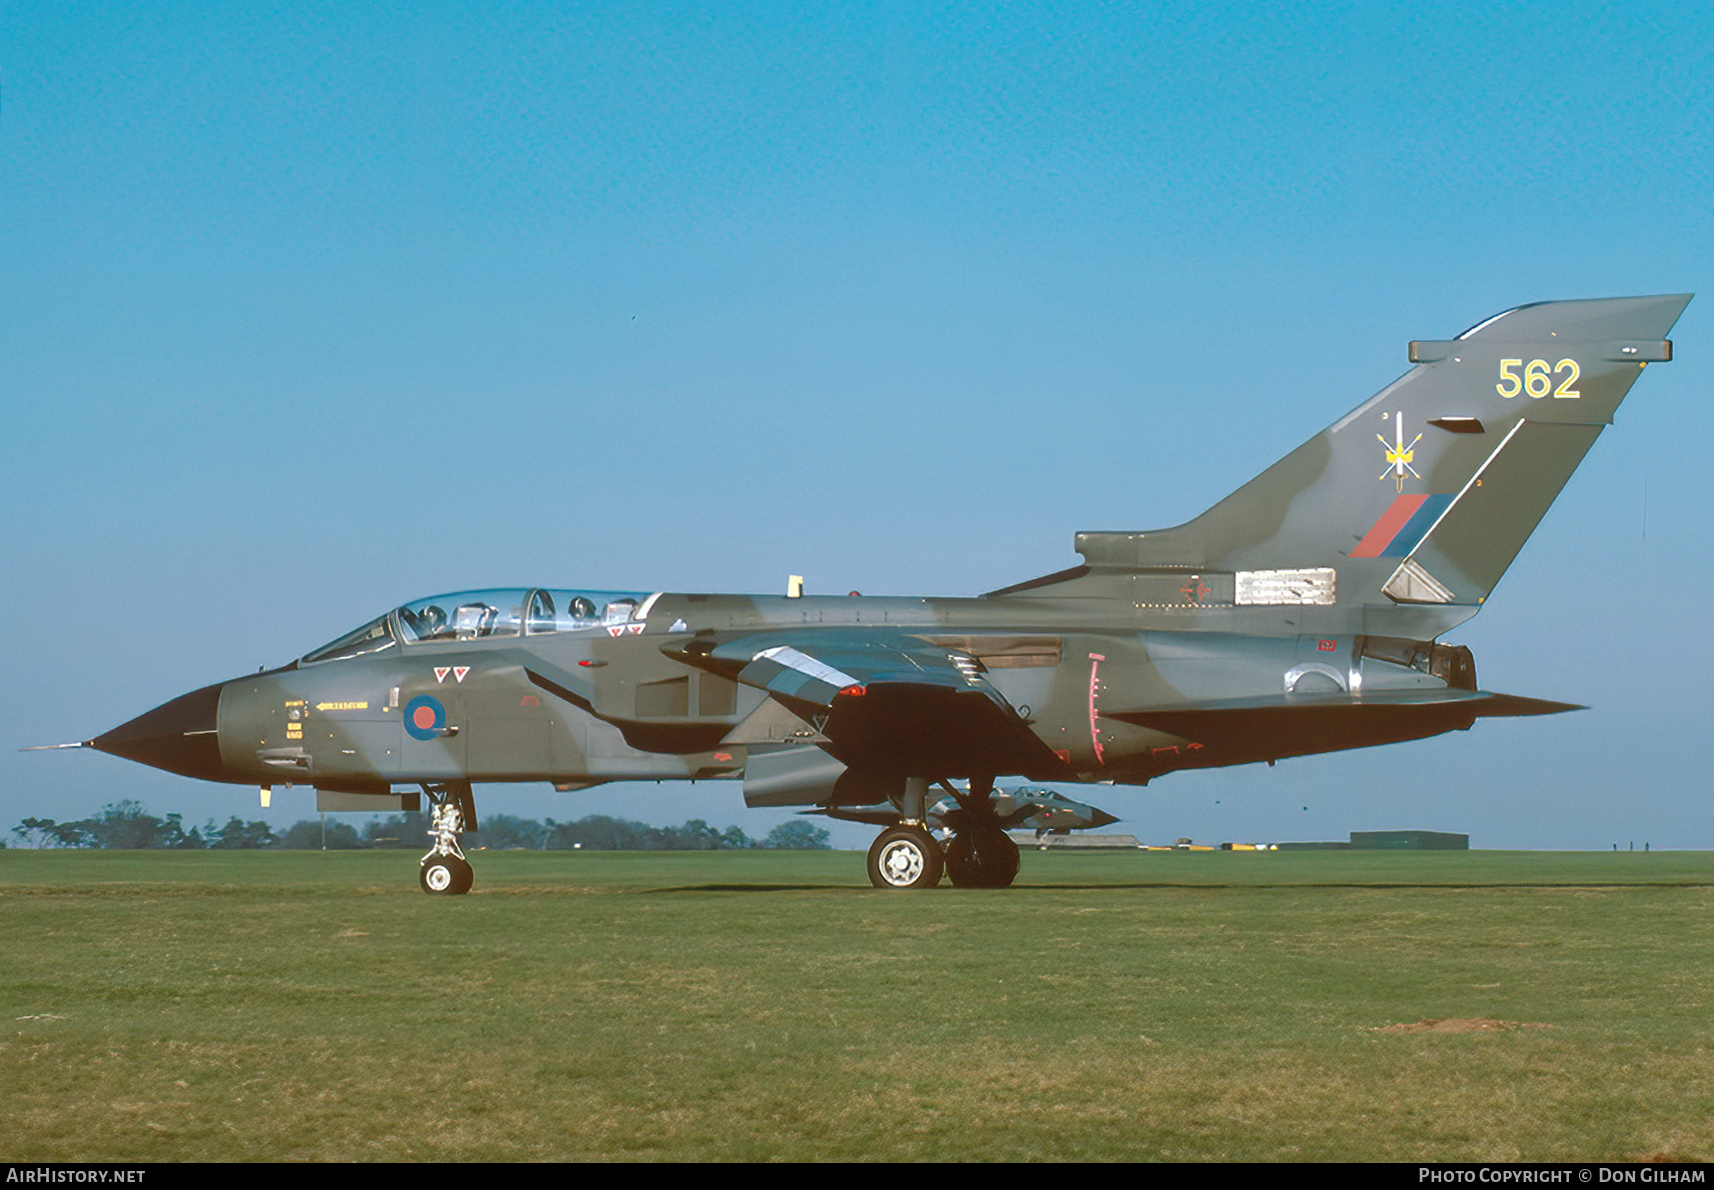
(424, 717)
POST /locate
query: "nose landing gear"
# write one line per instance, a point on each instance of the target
(444, 871)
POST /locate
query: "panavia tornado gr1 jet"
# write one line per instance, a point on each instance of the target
(1301, 614)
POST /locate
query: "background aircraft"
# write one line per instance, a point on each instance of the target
(1301, 614)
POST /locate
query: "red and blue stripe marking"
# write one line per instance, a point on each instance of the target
(1405, 523)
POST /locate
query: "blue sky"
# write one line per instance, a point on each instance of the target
(310, 310)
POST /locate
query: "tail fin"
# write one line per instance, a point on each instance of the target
(1405, 513)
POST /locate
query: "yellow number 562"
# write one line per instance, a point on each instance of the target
(1537, 378)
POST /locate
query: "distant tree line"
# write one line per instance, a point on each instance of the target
(127, 825)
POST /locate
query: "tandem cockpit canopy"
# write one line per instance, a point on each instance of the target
(481, 615)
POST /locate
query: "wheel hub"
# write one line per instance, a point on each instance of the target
(902, 862)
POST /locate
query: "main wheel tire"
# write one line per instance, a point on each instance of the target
(982, 858)
(446, 876)
(905, 857)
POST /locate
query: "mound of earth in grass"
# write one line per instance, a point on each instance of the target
(1461, 1025)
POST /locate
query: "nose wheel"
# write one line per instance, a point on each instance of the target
(446, 876)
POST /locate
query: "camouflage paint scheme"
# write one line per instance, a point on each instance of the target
(1300, 614)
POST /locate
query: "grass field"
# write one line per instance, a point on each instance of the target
(165, 1006)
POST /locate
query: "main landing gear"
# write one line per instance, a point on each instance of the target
(905, 856)
(977, 854)
(982, 857)
(444, 871)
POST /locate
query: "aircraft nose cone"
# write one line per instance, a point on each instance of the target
(181, 736)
